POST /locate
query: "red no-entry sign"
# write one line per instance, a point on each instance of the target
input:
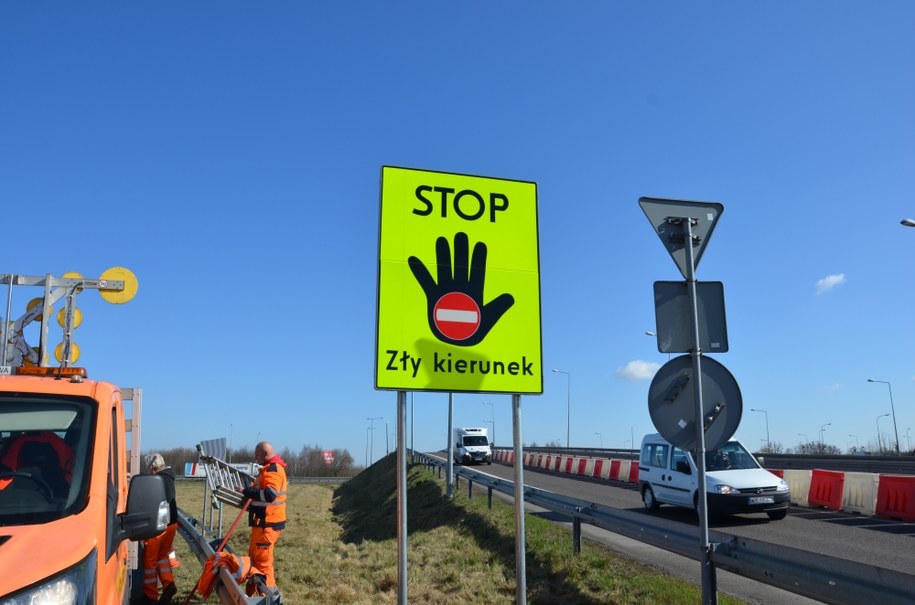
(457, 315)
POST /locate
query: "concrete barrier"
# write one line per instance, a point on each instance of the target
(826, 489)
(896, 497)
(860, 493)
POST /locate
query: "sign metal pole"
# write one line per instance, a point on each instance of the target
(449, 471)
(709, 582)
(520, 566)
(401, 498)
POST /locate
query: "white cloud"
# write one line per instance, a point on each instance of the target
(833, 387)
(638, 370)
(829, 282)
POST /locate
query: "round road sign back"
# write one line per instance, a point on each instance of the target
(457, 316)
(672, 403)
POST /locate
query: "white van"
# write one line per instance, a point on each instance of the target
(471, 446)
(734, 480)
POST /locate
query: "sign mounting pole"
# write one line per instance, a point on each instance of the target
(709, 581)
(520, 565)
(401, 498)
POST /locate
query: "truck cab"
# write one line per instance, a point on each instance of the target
(471, 446)
(734, 480)
(67, 505)
(72, 499)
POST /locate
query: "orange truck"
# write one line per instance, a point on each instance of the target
(72, 499)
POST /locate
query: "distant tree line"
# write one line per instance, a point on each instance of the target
(307, 462)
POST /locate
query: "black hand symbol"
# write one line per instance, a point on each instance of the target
(455, 303)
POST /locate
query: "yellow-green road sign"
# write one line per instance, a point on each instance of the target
(458, 284)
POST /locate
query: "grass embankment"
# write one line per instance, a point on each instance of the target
(340, 546)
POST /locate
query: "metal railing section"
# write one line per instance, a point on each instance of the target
(827, 579)
(227, 590)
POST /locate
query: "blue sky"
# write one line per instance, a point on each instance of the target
(229, 154)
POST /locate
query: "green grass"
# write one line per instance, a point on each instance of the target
(340, 546)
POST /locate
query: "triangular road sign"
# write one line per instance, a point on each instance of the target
(666, 218)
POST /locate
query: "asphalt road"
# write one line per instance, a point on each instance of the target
(880, 542)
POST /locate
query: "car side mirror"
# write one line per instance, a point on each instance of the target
(683, 467)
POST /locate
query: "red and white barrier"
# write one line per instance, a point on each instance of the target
(896, 497)
(860, 493)
(886, 496)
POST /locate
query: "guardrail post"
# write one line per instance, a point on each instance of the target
(576, 535)
(469, 488)
(489, 497)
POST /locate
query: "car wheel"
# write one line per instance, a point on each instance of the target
(648, 499)
(777, 515)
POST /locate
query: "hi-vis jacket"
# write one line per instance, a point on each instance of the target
(268, 496)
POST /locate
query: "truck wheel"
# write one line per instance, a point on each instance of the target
(777, 515)
(648, 499)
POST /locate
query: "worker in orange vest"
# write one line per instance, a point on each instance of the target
(157, 566)
(266, 515)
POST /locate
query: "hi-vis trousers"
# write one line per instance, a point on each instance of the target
(156, 565)
(263, 541)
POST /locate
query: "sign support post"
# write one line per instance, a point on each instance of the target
(709, 578)
(449, 466)
(520, 565)
(401, 498)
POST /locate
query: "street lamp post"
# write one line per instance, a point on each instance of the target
(492, 442)
(908, 440)
(892, 409)
(856, 440)
(879, 442)
(387, 449)
(568, 403)
(372, 440)
(768, 443)
(823, 430)
(601, 437)
(493, 429)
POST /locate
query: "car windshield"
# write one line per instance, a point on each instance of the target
(729, 456)
(475, 440)
(44, 448)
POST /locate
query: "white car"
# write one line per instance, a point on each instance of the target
(735, 482)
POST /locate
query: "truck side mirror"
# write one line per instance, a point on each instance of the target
(147, 508)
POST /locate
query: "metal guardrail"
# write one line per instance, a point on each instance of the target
(227, 590)
(826, 579)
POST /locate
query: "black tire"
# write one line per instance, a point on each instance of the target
(777, 515)
(649, 500)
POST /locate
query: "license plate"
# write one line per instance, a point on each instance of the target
(762, 500)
